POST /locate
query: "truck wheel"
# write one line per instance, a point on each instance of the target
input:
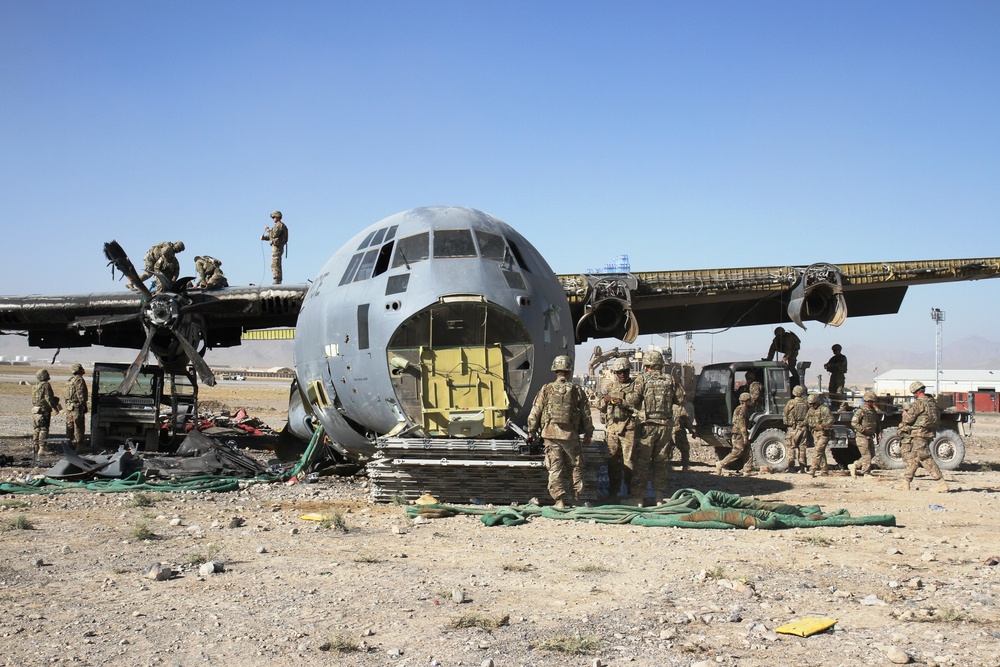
(846, 455)
(890, 450)
(948, 449)
(769, 450)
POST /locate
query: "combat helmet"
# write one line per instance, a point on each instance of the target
(813, 399)
(562, 363)
(916, 386)
(798, 390)
(744, 397)
(178, 246)
(870, 396)
(653, 358)
(620, 364)
(778, 331)
(42, 375)
(76, 369)
(836, 348)
(276, 215)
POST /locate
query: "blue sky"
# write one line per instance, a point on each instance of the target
(687, 135)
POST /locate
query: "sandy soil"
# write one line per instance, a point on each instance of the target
(382, 590)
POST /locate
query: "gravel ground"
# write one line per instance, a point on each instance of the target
(380, 589)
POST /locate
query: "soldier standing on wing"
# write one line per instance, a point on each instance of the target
(277, 234)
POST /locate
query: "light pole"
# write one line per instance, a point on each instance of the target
(938, 316)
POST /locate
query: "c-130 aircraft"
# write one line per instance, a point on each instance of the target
(422, 342)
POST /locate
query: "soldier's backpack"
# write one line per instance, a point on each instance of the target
(930, 418)
(562, 406)
(658, 396)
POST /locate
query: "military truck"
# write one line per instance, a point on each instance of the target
(151, 414)
(717, 393)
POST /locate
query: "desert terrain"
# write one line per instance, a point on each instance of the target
(370, 586)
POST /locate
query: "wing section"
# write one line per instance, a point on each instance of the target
(624, 305)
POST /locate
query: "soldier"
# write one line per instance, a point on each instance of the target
(561, 413)
(918, 427)
(76, 408)
(618, 407)
(819, 420)
(836, 367)
(678, 437)
(795, 433)
(756, 391)
(210, 274)
(786, 343)
(161, 262)
(43, 404)
(277, 234)
(741, 433)
(865, 425)
(656, 395)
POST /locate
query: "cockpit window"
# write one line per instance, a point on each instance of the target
(391, 234)
(411, 249)
(352, 266)
(367, 263)
(517, 255)
(491, 246)
(453, 243)
(379, 235)
(368, 239)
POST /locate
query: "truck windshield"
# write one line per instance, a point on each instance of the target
(714, 381)
(110, 378)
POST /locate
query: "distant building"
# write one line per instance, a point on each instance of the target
(970, 389)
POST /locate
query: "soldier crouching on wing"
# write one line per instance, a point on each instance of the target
(819, 420)
(741, 433)
(561, 415)
(918, 427)
(43, 403)
(656, 393)
(210, 274)
(618, 407)
(794, 418)
(865, 425)
(76, 408)
(161, 262)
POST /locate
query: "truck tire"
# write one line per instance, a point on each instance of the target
(948, 449)
(889, 450)
(769, 449)
(846, 455)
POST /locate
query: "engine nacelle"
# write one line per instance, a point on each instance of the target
(818, 295)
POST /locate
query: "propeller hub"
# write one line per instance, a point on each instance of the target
(162, 311)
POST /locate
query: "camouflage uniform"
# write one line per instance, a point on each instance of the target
(76, 408)
(210, 274)
(561, 415)
(618, 410)
(43, 404)
(657, 394)
(918, 427)
(277, 234)
(837, 367)
(865, 425)
(787, 344)
(756, 391)
(794, 418)
(740, 436)
(678, 437)
(819, 420)
(161, 260)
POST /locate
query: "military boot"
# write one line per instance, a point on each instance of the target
(942, 487)
(718, 468)
(904, 485)
(559, 505)
(853, 469)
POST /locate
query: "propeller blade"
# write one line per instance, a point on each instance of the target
(200, 365)
(133, 370)
(116, 255)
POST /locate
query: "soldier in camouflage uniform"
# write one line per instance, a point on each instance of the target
(277, 234)
(43, 404)
(819, 421)
(794, 418)
(678, 437)
(741, 433)
(210, 274)
(756, 391)
(618, 406)
(837, 368)
(918, 427)
(865, 425)
(656, 395)
(561, 414)
(76, 408)
(161, 262)
(787, 344)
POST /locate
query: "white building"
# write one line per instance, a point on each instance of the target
(897, 382)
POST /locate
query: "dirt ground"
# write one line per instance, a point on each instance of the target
(371, 587)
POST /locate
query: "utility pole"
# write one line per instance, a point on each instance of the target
(938, 316)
